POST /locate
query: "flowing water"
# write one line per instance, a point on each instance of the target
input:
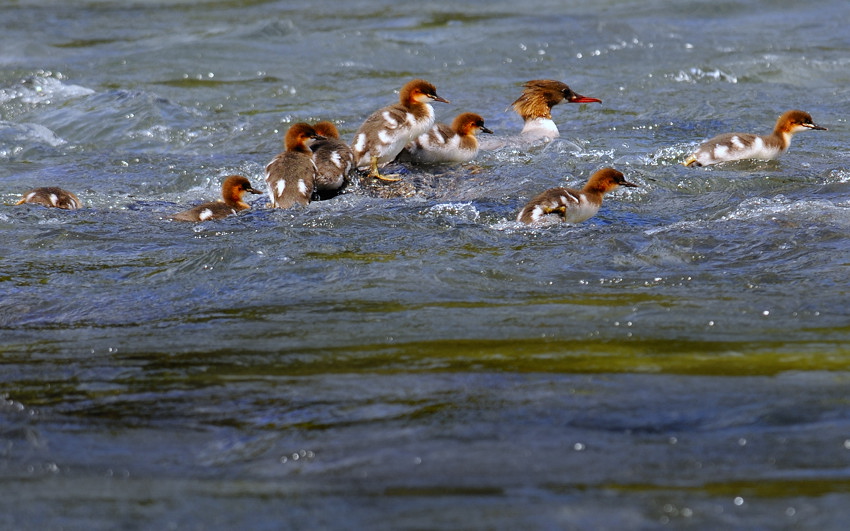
(679, 361)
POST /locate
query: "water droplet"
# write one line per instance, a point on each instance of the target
(738, 501)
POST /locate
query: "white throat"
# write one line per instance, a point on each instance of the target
(540, 128)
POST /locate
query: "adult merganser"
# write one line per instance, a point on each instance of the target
(388, 130)
(291, 176)
(233, 189)
(334, 160)
(443, 143)
(535, 107)
(738, 146)
(574, 206)
(51, 196)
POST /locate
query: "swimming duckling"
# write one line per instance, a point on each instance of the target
(570, 205)
(52, 196)
(233, 189)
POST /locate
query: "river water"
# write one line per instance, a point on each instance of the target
(679, 361)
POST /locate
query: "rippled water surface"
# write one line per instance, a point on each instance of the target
(679, 361)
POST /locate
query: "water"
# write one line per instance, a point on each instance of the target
(423, 362)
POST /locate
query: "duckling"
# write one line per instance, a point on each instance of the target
(570, 205)
(388, 130)
(52, 196)
(233, 189)
(291, 176)
(334, 160)
(443, 143)
(739, 146)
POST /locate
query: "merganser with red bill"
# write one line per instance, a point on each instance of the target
(570, 205)
(535, 108)
(443, 143)
(388, 130)
(233, 189)
(291, 176)
(741, 146)
(536, 102)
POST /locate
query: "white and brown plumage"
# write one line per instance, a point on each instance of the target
(334, 159)
(535, 108)
(52, 196)
(233, 189)
(570, 205)
(388, 130)
(291, 176)
(536, 102)
(443, 143)
(740, 146)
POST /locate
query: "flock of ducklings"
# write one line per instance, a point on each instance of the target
(317, 165)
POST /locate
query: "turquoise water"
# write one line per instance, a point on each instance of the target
(422, 361)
